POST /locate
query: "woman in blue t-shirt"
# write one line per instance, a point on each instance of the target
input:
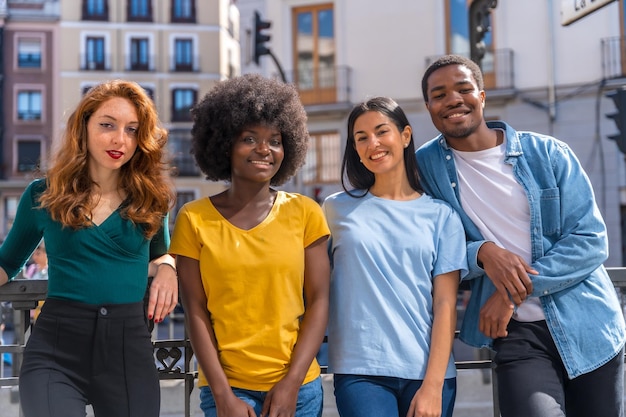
(397, 256)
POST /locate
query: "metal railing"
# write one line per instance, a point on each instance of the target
(24, 295)
(322, 85)
(173, 356)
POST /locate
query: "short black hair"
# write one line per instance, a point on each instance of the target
(446, 60)
(235, 104)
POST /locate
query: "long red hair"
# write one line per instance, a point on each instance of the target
(145, 178)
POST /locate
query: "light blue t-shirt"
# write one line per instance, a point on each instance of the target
(384, 256)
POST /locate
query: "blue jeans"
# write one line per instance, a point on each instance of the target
(362, 395)
(310, 399)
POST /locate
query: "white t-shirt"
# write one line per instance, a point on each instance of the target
(498, 205)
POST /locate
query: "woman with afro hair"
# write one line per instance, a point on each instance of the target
(252, 260)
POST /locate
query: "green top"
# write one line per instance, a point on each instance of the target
(105, 264)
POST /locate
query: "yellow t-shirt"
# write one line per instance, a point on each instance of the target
(253, 280)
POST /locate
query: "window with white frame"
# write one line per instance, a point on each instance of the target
(315, 53)
(29, 105)
(183, 54)
(139, 10)
(183, 10)
(29, 52)
(95, 53)
(95, 10)
(139, 54)
(182, 101)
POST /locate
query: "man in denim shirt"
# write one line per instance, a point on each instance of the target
(536, 244)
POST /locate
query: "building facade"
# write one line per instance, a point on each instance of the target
(55, 50)
(540, 75)
(176, 49)
(29, 33)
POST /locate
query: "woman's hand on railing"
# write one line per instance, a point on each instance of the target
(163, 289)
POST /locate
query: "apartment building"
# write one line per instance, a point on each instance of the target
(28, 32)
(175, 49)
(540, 74)
(55, 50)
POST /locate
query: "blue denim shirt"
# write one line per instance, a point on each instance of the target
(568, 242)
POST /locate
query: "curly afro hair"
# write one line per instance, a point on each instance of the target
(234, 104)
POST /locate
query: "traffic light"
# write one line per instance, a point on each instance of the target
(619, 117)
(260, 38)
(479, 25)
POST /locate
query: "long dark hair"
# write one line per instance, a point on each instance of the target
(361, 178)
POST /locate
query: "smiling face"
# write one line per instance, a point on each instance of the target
(379, 143)
(455, 102)
(111, 136)
(257, 153)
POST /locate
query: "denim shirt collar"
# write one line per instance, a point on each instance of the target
(513, 145)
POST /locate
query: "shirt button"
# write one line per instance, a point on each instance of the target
(104, 311)
(448, 157)
(453, 184)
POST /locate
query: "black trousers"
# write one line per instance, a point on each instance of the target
(532, 381)
(81, 354)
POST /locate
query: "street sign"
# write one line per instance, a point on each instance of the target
(572, 10)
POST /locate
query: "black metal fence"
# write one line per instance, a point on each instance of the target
(173, 355)
(170, 353)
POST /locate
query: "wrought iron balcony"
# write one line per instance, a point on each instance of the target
(140, 63)
(184, 64)
(322, 85)
(95, 63)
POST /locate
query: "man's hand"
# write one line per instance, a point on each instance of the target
(508, 272)
(495, 315)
